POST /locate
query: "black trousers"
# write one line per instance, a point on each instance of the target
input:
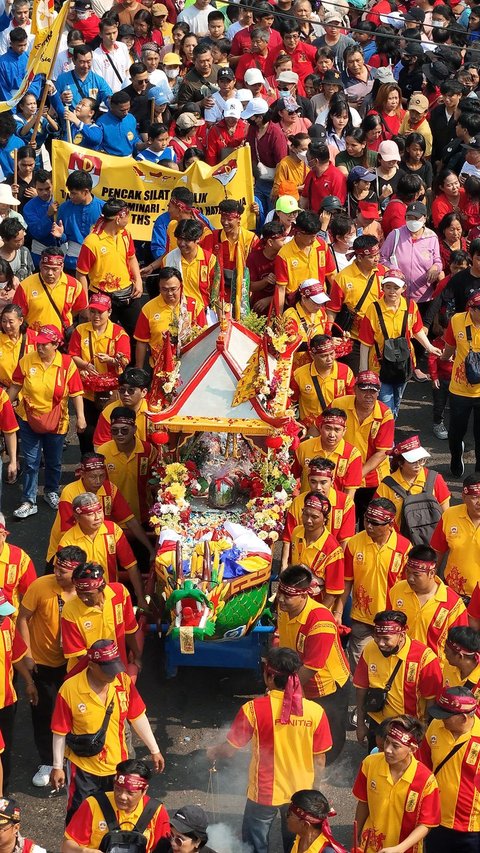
(82, 785)
(7, 720)
(85, 439)
(47, 680)
(440, 399)
(443, 840)
(460, 410)
(336, 709)
(127, 315)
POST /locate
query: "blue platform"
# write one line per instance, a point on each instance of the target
(245, 653)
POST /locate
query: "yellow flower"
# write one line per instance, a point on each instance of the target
(175, 473)
(177, 490)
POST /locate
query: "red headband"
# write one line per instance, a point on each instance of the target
(53, 260)
(456, 647)
(306, 816)
(87, 510)
(317, 471)
(332, 419)
(389, 627)
(181, 205)
(474, 489)
(122, 420)
(67, 564)
(292, 591)
(367, 253)
(84, 584)
(401, 736)
(292, 694)
(379, 513)
(131, 782)
(323, 348)
(230, 216)
(420, 565)
(317, 502)
(92, 464)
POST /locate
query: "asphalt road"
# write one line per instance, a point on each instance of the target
(190, 711)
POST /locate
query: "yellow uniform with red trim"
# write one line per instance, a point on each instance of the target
(67, 294)
(8, 421)
(131, 473)
(103, 432)
(282, 754)
(201, 276)
(12, 649)
(458, 778)
(156, 317)
(42, 599)
(108, 547)
(456, 335)
(293, 265)
(395, 809)
(373, 570)
(347, 459)
(318, 845)
(105, 259)
(82, 625)
(457, 533)
(324, 558)
(113, 341)
(440, 490)
(418, 679)
(371, 334)
(17, 572)
(42, 385)
(307, 325)
(87, 826)
(339, 382)
(79, 710)
(453, 678)
(115, 508)
(347, 289)
(341, 518)
(375, 433)
(10, 354)
(314, 635)
(429, 622)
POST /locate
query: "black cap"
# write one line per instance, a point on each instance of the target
(332, 77)
(9, 812)
(191, 820)
(413, 49)
(83, 4)
(436, 73)
(417, 208)
(415, 14)
(331, 203)
(225, 74)
(474, 145)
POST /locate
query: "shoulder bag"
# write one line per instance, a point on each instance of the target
(376, 697)
(86, 746)
(472, 361)
(395, 361)
(47, 422)
(345, 318)
(67, 330)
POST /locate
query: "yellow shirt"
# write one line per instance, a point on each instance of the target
(348, 462)
(375, 433)
(423, 129)
(457, 533)
(198, 275)
(39, 382)
(9, 356)
(41, 598)
(316, 846)
(373, 570)
(393, 319)
(156, 317)
(67, 294)
(82, 624)
(102, 548)
(105, 258)
(332, 386)
(130, 473)
(347, 289)
(102, 431)
(324, 558)
(456, 335)
(293, 264)
(294, 171)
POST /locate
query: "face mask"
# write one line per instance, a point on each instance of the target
(171, 73)
(81, 16)
(3, 285)
(349, 241)
(439, 24)
(283, 93)
(302, 155)
(415, 225)
(387, 653)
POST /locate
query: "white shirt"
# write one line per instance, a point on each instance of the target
(64, 63)
(216, 113)
(5, 37)
(322, 117)
(234, 29)
(121, 59)
(468, 169)
(197, 19)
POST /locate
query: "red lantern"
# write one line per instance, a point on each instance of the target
(159, 437)
(274, 442)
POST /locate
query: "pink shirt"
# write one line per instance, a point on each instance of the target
(414, 258)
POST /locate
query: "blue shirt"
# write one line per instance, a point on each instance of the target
(78, 220)
(6, 154)
(93, 86)
(87, 136)
(119, 134)
(158, 245)
(13, 67)
(157, 156)
(39, 224)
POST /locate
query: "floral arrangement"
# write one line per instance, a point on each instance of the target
(171, 509)
(266, 515)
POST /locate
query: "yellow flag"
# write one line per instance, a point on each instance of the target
(42, 57)
(42, 15)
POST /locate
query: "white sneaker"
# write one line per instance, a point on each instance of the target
(25, 509)
(42, 776)
(439, 431)
(52, 499)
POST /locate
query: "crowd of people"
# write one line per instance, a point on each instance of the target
(362, 124)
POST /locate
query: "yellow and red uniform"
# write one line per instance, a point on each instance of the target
(82, 625)
(105, 259)
(440, 490)
(8, 421)
(456, 336)
(131, 473)
(67, 294)
(44, 385)
(458, 778)
(10, 354)
(373, 570)
(115, 508)
(457, 533)
(320, 844)
(294, 265)
(108, 547)
(113, 341)
(201, 276)
(17, 572)
(42, 599)
(87, 826)
(371, 334)
(338, 383)
(347, 288)
(12, 649)
(395, 809)
(375, 433)
(348, 462)
(282, 755)
(341, 518)
(103, 432)
(453, 678)
(324, 558)
(431, 621)
(418, 679)
(79, 710)
(156, 317)
(314, 635)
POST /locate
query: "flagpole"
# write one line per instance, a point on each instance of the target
(15, 167)
(45, 90)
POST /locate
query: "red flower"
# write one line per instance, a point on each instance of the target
(256, 487)
(274, 442)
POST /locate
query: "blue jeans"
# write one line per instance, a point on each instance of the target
(392, 395)
(32, 446)
(257, 821)
(263, 191)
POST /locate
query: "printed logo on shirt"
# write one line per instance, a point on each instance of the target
(412, 800)
(7, 640)
(373, 785)
(372, 667)
(412, 673)
(359, 557)
(103, 250)
(301, 643)
(308, 388)
(119, 614)
(397, 562)
(156, 316)
(82, 707)
(374, 429)
(111, 543)
(337, 519)
(143, 466)
(87, 625)
(107, 505)
(102, 825)
(11, 573)
(442, 615)
(110, 466)
(461, 336)
(399, 602)
(341, 467)
(34, 292)
(472, 756)
(294, 263)
(123, 701)
(32, 371)
(130, 135)
(454, 530)
(349, 285)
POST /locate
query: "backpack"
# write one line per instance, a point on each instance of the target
(118, 840)
(420, 513)
(395, 361)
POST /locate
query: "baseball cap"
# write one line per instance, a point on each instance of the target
(7, 197)
(9, 812)
(191, 820)
(331, 203)
(360, 173)
(369, 209)
(157, 94)
(418, 102)
(255, 107)
(49, 335)
(242, 95)
(225, 74)
(394, 276)
(411, 449)
(188, 120)
(416, 209)
(253, 76)
(388, 151)
(287, 77)
(436, 72)
(286, 204)
(100, 301)
(106, 654)
(415, 15)
(125, 30)
(474, 145)
(6, 607)
(171, 59)
(85, 5)
(159, 9)
(451, 701)
(232, 108)
(413, 49)
(393, 19)
(332, 16)
(384, 75)
(332, 77)
(367, 379)
(314, 290)
(288, 104)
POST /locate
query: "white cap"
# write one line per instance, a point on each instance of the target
(7, 197)
(232, 108)
(244, 95)
(252, 76)
(415, 454)
(312, 286)
(255, 107)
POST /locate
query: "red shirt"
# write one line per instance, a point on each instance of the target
(219, 138)
(303, 61)
(250, 60)
(394, 215)
(242, 41)
(332, 182)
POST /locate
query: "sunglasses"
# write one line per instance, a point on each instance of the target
(177, 839)
(120, 430)
(376, 523)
